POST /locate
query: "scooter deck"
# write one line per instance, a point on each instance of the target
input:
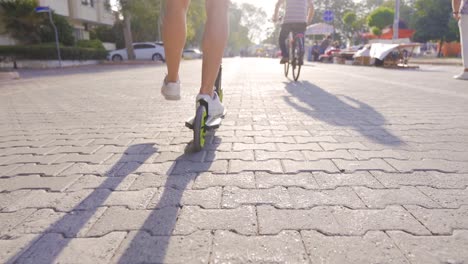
(211, 123)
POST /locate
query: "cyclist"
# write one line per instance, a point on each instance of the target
(214, 42)
(298, 13)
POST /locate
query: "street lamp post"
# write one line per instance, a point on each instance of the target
(46, 9)
(396, 19)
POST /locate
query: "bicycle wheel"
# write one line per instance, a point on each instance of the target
(296, 71)
(199, 128)
(286, 69)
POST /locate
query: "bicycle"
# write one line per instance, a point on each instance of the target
(296, 54)
(201, 123)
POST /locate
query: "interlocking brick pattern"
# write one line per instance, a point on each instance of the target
(349, 165)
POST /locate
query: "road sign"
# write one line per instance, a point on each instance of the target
(42, 9)
(328, 16)
(46, 9)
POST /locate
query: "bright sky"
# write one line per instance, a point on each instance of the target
(267, 5)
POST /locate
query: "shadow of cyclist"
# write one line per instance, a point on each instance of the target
(49, 246)
(340, 110)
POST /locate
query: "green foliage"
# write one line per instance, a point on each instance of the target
(117, 30)
(239, 34)
(432, 20)
(112, 34)
(349, 18)
(144, 22)
(453, 33)
(253, 19)
(381, 17)
(376, 31)
(20, 21)
(351, 25)
(103, 33)
(339, 8)
(90, 44)
(64, 29)
(49, 52)
(145, 15)
(195, 22)
(26, 26)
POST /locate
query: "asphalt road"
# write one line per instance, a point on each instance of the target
(351, 164)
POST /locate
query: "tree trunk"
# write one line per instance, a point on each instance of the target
(128, 36)
(441, 43)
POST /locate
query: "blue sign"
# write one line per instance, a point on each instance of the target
(328, 16)
(42, 9)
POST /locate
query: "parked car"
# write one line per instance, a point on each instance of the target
(143, 51)
(192, 54)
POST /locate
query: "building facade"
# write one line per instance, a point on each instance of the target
(83, 15)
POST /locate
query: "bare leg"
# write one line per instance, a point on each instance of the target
(174, 34)
(463, 24)
(214, 42)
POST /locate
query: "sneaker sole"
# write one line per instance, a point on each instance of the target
(170, 97)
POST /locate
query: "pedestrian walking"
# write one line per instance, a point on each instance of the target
(460, 13)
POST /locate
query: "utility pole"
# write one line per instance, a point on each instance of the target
(396, 19)
(161, 12)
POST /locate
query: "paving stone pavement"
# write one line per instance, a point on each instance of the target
(348, 165)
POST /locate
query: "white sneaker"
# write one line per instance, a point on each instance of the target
(462, 76)
(215, 107)
(170, 90)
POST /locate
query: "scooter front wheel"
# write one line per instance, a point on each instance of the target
(199, 127)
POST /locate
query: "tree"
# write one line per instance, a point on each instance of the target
(195, 22)
(366, 6)
(432, 21)
(64, 29)
(145, 20)
(125, 7)
(239, 34)
(253, 19)
(339, 8)
(406, 9)
(25, 25)
(20, 20)
(351, 25)
(381, 17)
(376, 31)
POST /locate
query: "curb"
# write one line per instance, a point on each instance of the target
(8, 76)
(438, 62)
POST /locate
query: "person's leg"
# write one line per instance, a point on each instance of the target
(174, 34)
(464, 40)
(300, 28)
(463, 25)
(214, 41)
(282, 40)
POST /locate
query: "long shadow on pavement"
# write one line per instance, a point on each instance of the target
(340, 110)
(150, 243)
(47, 248)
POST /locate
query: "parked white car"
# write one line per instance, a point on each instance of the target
(192, 54)
(143, 51)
